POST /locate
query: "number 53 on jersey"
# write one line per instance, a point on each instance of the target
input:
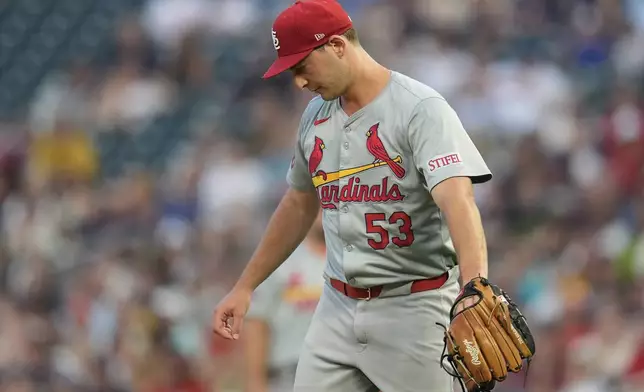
(380, 237)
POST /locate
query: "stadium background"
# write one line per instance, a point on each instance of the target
(141, 155)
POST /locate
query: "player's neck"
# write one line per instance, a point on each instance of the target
(370, 78)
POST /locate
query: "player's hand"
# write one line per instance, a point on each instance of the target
(466, 302)
(228, 316)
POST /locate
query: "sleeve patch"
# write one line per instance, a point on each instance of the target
(443, 160)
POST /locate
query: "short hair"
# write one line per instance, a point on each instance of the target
(352, 36)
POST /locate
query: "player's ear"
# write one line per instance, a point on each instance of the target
(338, 45)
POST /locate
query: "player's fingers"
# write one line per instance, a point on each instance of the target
(469, 301)
(236, 324)
(223, 331)
(220, 324)
(466, 303)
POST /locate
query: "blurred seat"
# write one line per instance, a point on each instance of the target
(38, 37)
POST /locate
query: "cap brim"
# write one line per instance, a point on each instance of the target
(284, 63)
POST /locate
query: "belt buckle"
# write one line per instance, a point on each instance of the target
(368, 294)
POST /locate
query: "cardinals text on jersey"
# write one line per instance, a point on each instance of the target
(330, 194)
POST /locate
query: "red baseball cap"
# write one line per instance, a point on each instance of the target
(302, 27)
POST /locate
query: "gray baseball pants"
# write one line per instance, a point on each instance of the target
(388, 344)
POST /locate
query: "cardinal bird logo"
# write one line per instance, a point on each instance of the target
(316, 158)
(377, 149)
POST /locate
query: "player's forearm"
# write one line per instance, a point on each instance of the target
(455, 198)
(286, 229)
(465, 227)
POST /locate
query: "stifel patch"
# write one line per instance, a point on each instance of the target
(444, 160)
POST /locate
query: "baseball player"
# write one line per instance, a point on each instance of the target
(280, 314)
(390, 164)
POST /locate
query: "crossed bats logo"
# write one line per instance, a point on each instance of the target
(374, 146)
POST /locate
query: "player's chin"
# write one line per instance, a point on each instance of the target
(326, 95)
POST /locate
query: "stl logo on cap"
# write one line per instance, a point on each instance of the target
(301, 28)
(276, 41)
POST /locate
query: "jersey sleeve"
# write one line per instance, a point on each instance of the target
(441, 147)
(298, 176)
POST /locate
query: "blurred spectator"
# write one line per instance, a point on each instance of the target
(280, 315)
(65, 154)
(624, 139)
(189, 67)
(134, 90)
(64, 96)
(169, 21)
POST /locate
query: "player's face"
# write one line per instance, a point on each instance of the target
(324, 72)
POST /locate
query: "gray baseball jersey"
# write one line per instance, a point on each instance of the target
(286, 302)
(372, 172)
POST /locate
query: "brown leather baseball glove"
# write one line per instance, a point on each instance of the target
(486, 340)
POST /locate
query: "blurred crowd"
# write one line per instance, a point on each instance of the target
(111, 262)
